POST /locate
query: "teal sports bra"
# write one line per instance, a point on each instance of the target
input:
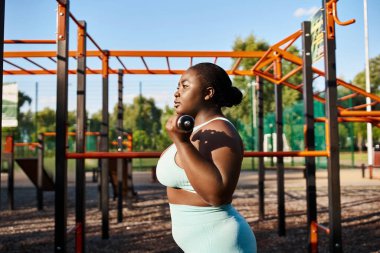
(169, 173)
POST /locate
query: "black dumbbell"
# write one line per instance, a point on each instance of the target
(185, 123)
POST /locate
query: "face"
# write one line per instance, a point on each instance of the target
(189, 96)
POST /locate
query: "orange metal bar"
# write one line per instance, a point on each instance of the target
(352, 95)
(236, 65)
(291, 38)
(259, 63)
(23, 144)
(327, 133)
(105, 65)
(30, 42)
(95, 53)
(313, 237)
(220, 54)
(125, 143)
(358, 90)
(359, 113)
(291, 73)
(115, 71)
(285, 153)
(362, 106)
(335, 15)
(351, 119)
(96, 155)
(72, 134)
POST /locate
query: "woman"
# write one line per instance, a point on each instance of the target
(201, 169)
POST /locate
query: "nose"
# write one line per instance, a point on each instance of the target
(176, 93)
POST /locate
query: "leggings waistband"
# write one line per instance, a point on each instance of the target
(194, 215)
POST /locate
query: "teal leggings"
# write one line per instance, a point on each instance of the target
(211, 230)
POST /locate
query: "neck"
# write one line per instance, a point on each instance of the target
(207, 114)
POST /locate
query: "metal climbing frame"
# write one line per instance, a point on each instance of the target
(268, 66)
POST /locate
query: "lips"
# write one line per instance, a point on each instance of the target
(176, 104)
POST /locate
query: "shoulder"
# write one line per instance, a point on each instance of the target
(217, 134)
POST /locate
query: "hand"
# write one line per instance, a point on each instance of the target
(175, 133)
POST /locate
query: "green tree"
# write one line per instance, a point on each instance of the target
(374, 69)
(142, 119)
(46, 120)
(359, 80)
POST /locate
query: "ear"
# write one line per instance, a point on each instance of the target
(209, 93)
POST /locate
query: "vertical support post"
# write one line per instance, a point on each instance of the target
(80, 178)
(40, 167)
(311, 196)
(130, 188)
(370, 151)
(120, 161)
(2, 16)
(253, 120)
(61, 124)
(280, 147)
(10, 158)
(104, 148)
(332, 145)
(260, 146)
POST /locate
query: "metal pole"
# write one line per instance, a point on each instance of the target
(260, 147)
(104, 148)
(11, 179)
(40, 166)
(120, 161)
(368, 87)
(280, 147)
(311, 195)
(332, 135)
(2, 15)
(253, 121)
(36, 111)
(61, 125)
(80, 179)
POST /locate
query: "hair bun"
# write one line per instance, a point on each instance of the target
(235, 97)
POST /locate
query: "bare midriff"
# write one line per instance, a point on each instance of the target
(183, 197)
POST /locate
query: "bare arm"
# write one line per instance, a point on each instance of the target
(213, 168)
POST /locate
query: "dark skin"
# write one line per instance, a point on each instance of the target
(212, 156)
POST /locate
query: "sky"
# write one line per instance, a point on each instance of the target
(211, 25)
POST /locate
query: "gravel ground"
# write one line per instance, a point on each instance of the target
(146, 225)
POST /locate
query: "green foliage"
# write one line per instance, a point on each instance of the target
(374, 69)
(360, 129)
(241, 115)
(143, 119)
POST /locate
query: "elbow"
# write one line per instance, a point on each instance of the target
(217, 199)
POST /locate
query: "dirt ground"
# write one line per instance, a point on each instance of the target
(146, 226)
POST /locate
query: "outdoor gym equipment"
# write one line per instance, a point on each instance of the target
(269, 66)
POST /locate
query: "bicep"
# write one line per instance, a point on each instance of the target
(225, 153)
